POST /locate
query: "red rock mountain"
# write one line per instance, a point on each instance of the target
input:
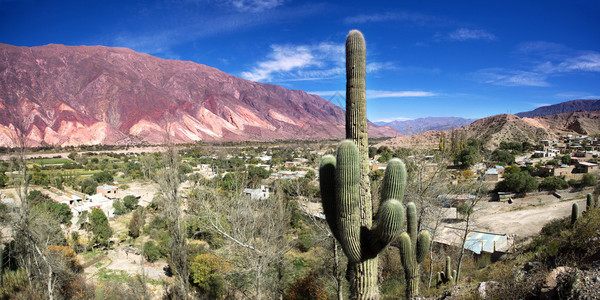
(66, 95)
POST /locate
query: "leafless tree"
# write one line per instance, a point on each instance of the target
(148, 164)
(255, 230)
(478, 190)
(169, 182)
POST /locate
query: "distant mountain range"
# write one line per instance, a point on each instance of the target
(511, 128)
(563, 107)
(426, 124)
(82, 95)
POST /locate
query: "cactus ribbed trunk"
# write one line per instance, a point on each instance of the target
(363, 275)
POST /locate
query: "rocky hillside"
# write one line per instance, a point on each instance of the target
(564, 107)
(66, 95)
(496, 129)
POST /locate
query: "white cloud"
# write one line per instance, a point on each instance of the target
(255, 5)
(464, 34)
(283, 58)
(545, 60)
(498, 76)
(536, 105)
(576, 95)
(305, 62)
(394, 119)
(412, 17)
(375, 94)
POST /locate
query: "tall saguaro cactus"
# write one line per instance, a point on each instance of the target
(346, 195)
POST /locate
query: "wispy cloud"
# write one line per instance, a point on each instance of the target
(543, 60)
(255, 5)
(304, 62)
(375, 94)
(464, 34)
(411, 17)
(576, 95)
(394, 119)
(499, 76)
(197, 24)
(536, 105)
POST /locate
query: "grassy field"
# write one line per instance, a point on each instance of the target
(50, 161)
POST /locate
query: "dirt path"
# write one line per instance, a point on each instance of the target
(526, 221)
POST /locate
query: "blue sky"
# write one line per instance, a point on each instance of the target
(425, 58)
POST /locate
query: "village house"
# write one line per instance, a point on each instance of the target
(108, 191)
(258, 194)
(477, 242)
(491, 175)
(69, 199)
(586, 167)
(561, 170)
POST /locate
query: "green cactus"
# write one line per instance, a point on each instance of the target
(412, 255)
(589, 202)
(346, 195)
(448, 275)
(574, 213)
(339, 181)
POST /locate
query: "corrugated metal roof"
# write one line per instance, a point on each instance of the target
(476, 241)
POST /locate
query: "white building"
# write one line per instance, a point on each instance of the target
(258, 194)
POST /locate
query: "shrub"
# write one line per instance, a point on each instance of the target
(307, 288)
(521, 182)
(588, 180)
(130, 202)
(119, 208)
(151, 251)
(206, 272)
(100, 227)
(553, 183)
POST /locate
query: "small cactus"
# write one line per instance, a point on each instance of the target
(447, 275)
(413, 250)
(574, 213)
(589, 202)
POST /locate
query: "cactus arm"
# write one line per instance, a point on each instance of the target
(448, 266)
(589, 202)
(423, 243)
(394, 180)
(411, 268)
(388, 223)
(327, 186)
(347, 178)
(411, 222)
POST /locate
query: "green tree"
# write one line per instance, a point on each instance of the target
(152, 251)
(464, 209)
(521, 182)
(3, 179)
(89, 186)
(103, 177)
(100, 227)
(136, 223)
(553, 183)
(566, 159)
(130, 202)
(119, 208)
(59, 211)
(503, 157)
(588, 180)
